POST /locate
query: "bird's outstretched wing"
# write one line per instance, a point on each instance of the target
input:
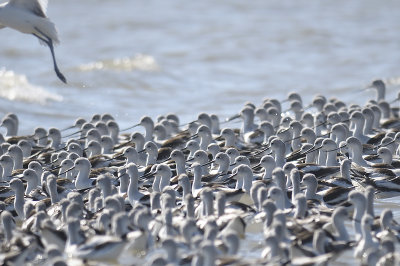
(38, 7)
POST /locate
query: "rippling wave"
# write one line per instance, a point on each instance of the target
(394, 81)
(16, 87)
(137, 62)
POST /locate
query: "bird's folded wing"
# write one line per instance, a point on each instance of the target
(38, 7)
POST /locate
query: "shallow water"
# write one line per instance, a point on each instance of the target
(132, 58)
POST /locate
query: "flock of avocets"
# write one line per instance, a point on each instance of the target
(190, 194)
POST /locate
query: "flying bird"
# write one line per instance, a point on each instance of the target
(29, 16)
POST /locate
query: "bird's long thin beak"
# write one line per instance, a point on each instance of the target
(64, 129)
(182, 125)
(44, 137)
(166, 160)
(66, 171)
(236, 116)
(210, 162)
(338, 148)
(312, 149)
(69, 135)
(194, 136)
(130, 127)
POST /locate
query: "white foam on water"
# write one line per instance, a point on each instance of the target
(137, 62)
(393, 81)
(15, 87)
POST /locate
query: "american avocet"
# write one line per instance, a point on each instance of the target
(213, 149)
(163, 176)
(241, 193)
(83, 166)
(8, 225)
(16, 153)
(205, 135)
(26, 148)
(30, 18)
(367, 240)
(380, 88)
(11, 125)
(197, 175)
(268, 163)
(7, 165)
(135, 196)
(19, 201)
(297, 108)
(360, 204)
(276, 194)
(179, 158)
(201, 158)
(278, 147)
(279, 178)
(222, 160)
(33, 182)
(230, 138)
(95, 248)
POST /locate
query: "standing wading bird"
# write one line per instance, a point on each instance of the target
(29, 16)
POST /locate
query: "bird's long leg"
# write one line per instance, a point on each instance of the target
(49, 43)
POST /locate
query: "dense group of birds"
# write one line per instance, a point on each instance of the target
(301, 180)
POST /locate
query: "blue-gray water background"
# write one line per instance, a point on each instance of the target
(132, 58)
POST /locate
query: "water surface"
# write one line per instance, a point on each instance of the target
(132, 58)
